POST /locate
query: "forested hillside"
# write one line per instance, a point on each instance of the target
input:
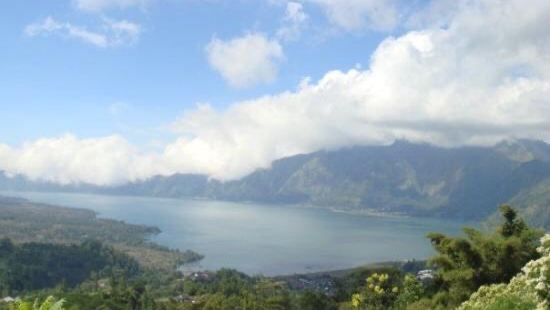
(33, 266)
(23, 222)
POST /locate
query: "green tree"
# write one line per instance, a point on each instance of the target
(380, 293)
(50, 303)
(315, 301)
(411, 291)
(466, 263)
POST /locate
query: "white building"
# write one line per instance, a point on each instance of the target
(425, 275)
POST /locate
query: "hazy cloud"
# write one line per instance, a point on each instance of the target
(51, 26)
(112, 33)
(293, 22)
(100, 5)
(382, 15)
(245, 61)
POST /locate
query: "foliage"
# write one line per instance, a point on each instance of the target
(465, 264)
(315, 301)
(527, 290)
(411, 292)
(353, 281)
(383, 292)
(120, 296)
(378, 293)
(33, 266)
(50, 303)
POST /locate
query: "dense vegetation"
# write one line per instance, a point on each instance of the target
(466, 182)
(23, 222)
(466, 263)
(50, 303)
(527, 290)
(35, 266)
(488, 266)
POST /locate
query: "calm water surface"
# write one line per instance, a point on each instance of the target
(264, 239)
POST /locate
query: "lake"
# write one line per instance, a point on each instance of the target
(266, 239)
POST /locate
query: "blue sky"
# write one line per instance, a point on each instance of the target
(56, 84)
(111, 91)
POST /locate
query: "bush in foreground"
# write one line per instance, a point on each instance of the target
(528, 290)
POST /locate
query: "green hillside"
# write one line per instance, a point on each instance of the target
(533, 203)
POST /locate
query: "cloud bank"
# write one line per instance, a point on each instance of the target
(66, 160)
(480, 75)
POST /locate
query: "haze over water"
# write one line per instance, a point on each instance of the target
(270, 240)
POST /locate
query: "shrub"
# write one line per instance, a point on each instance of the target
(527, 290)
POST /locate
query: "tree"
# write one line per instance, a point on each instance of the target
(527, 290)
(466, 263)
(50, 303)
(385, 292)
(315, 301)
(411, 291)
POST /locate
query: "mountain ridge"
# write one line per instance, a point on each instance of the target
(405, 178)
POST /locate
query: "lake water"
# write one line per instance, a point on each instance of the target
(271, 240)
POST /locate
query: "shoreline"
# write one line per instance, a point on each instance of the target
(198, 267)
(342, 210)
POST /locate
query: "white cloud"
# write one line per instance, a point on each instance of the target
(51, 26)
(122, 32)
(382, 15)
(245, 61)
(47, 25)
(483, 77)
(113, 33)
(108, 160)
(293, 22)
(100, 5)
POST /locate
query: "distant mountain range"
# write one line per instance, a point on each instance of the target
(405, 178)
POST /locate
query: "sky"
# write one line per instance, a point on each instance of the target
(112, 91)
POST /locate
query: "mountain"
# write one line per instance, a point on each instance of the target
(534, 203)
(416, 179)
(524, 150)
(406, 178)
